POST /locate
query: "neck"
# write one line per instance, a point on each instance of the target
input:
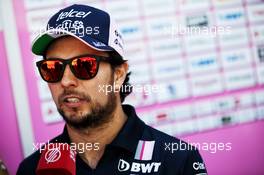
(97, 138)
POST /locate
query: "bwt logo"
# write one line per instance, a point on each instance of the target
(138, 167)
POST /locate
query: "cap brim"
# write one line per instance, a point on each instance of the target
(41, 43)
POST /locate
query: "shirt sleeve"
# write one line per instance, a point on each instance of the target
(21, 170)
(26, 168)
(194, 164)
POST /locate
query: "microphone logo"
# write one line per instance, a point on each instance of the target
(53, 155)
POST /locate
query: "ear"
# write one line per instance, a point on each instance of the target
(120, 73)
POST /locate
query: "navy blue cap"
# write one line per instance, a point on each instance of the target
(90, 25)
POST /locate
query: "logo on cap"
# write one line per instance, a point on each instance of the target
(72, 14)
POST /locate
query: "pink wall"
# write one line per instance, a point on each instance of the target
(38, 125)
(10, 147)
(246, 156)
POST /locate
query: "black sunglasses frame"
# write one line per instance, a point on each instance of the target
(65, 62)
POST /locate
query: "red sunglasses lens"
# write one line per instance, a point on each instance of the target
(84, 67)
(51, 70)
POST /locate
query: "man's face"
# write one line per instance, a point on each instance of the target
(80, 102)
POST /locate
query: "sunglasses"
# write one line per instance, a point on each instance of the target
(83, 67)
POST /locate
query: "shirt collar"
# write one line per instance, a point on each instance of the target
(131, 132)
(128, 136)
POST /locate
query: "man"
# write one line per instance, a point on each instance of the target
(82, 55)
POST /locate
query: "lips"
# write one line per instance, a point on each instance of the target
(73, 101)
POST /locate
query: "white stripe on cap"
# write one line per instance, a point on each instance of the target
(115, 38)
(144, 150)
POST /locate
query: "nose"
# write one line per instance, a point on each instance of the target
(69, 79)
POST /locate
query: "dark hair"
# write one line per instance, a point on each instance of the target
(126, 87)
